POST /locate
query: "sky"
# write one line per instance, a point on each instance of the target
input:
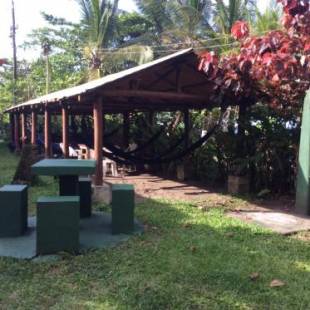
(28, 17)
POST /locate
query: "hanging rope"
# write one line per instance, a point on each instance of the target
(128, 155)
(115, 149)
(123, 154)
(123, 158)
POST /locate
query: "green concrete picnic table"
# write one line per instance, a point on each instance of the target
(68, 171)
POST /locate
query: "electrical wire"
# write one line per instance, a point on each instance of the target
(178, 43)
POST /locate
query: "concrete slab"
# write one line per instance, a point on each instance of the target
(95, 233)
(280, 222)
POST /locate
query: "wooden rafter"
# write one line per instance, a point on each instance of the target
(185, 97)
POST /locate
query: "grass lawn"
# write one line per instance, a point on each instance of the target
(186, 259)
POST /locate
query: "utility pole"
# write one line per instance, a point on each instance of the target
(46, 51)
(13, 33)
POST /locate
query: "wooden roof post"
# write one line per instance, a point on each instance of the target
(126, 129)
(186, 127)
(65, 130)
(98, 140)
(33, 127)
(24, 129)
(47, 132)
(12, 129)
(303, 178)
(16, 133)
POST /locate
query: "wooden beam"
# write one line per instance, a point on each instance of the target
(47, 133)
(12, 130)
(193, 85)
(126, 129)
(16, 132)
(24, 128)
(65, 131)
(160, 77)
(186, 126)
(165, 79)
(156, 95)
(98, 143)
(178, 84)
(33, 128)
(194, 69)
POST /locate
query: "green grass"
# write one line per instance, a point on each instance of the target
(186, 259)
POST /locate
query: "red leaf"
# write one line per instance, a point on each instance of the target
(240, 30)
(287, 20)
(208, 63)
(307, 47)
(276, 79)
(267, 58)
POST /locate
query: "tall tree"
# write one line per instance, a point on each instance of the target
(99, 20)
(226, 13)
(270, 19)
(156, 12)
(178, 21)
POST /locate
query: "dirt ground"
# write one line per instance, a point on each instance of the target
(150, 186)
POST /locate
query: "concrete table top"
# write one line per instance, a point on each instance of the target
(58, 167)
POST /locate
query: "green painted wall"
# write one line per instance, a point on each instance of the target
(303, 184)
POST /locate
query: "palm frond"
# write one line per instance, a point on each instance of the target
(126, 57)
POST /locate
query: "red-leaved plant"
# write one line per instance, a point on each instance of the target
(273, 68)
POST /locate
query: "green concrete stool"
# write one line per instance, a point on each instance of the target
(13, 210)
(123, 202)
(85, 196)
(58, 224)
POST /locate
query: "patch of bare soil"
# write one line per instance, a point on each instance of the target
(150, 186)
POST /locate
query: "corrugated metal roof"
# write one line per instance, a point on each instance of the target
(87, 87)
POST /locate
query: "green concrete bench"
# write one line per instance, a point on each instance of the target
(58, 224)
(85, 193)
(123, 203)
(13, 210)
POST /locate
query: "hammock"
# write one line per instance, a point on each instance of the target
(117, 150)
(123, 158)
(128, 155)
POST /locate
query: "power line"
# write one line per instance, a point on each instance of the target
(223, 36)
(164, 51)
(117, 51)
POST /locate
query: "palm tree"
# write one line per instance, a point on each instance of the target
(226, 14)
(156, 11)
(99, 18)
(189, 21)
(269, 20)
(177, 23)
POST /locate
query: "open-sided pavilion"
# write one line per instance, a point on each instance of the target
(170, 83)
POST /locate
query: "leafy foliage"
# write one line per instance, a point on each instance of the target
(268, 20)
(271, 143)
(228, 12)
(274, 68)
